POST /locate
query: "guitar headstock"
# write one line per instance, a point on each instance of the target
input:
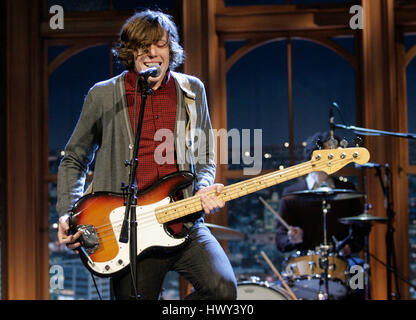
(332, 160)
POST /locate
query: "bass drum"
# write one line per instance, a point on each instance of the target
(304, 276)
(248, 290)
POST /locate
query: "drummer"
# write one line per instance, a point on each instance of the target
(305, 218)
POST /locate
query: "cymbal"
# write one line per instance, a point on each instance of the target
(365, 217)
(325, 193)
(224, 233)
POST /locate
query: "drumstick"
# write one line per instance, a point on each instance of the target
(278, 275)
(275, 213)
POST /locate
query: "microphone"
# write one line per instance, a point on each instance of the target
(153, 71)
(331, 118)
(332, 142)
(367, 165)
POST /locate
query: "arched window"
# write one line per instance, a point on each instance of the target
(284, 88)
(68, 85)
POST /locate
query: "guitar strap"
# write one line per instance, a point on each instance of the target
(190, 106)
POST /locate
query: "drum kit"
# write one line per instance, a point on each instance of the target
(320, 274)
(323, 274)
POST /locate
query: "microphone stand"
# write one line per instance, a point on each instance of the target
(391, 255)
(372, 132)
(386, 186)
(131, 203)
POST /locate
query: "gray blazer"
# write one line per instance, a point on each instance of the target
(104, 132)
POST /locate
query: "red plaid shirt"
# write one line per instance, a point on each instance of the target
(159, 113)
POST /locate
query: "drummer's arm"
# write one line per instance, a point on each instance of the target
(282, 240)
(283, 244)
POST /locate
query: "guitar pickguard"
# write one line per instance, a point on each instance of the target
(150, 233)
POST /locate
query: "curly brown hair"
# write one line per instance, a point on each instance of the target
(145, 28)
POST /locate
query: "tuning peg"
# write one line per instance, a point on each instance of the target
(344, 143)
(357, 141)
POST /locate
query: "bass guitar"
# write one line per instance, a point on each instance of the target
(99, 215)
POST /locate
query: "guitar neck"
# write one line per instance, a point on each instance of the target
(193, 204)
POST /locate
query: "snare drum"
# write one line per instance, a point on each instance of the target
(249, 290)
(304, 273)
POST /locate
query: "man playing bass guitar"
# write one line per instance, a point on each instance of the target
(105, 132)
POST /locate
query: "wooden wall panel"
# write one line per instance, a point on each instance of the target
(380, 112)
(26, 228)
(3, 203)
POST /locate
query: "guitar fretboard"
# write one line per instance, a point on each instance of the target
(193, 204)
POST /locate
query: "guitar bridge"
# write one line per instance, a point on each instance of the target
(89, 238)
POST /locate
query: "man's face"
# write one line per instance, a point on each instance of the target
(155, 53)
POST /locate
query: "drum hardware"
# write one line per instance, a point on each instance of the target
(312, 266)
(326, 194)
(255, 289)
(362, 218)
(324, 249)
(365, 220)
(387, 187)
(252, 288)
(249, 290)
(293, 266)
(341, 244)
(307, 284)
(255, 279)
(318, 193)
(327, 247)
(297, 273)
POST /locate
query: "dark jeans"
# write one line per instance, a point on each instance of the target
(202, 262)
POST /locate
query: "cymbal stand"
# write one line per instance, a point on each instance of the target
(323, 295)
(366, 226)
(367, 270)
